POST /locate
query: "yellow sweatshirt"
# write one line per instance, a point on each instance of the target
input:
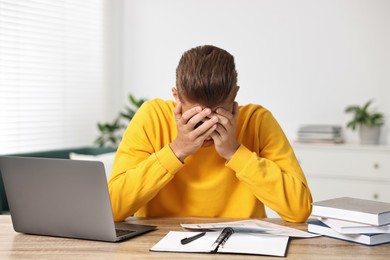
(148, 180)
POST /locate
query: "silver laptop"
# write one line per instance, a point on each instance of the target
(64, 198)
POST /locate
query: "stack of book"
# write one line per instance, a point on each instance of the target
(320, 134)
(357, 220)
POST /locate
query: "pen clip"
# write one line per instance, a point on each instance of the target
(222, 238)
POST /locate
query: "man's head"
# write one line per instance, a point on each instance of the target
(206, 75)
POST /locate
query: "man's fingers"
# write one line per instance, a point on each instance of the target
(202, 128)
(209, 132)
(190, 113)
(227, 118)
(223, 112)
(193, 116)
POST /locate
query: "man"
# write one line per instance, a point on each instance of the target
(203, 155)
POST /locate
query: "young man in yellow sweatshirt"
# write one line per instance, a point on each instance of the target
(203, 155)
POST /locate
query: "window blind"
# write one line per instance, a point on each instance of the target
(51, 73)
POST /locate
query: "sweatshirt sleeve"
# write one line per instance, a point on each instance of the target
(140, 169)
(273, 173)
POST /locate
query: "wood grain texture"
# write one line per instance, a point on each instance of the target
(21, 246)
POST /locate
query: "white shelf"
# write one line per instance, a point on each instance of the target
(343, 146)
(354, 170)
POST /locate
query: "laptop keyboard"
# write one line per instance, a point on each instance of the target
(123, 232)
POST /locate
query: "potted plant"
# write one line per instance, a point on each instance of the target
(368, 122)
(111, 133)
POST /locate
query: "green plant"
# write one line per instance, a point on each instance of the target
(111, 133)
(362, 116)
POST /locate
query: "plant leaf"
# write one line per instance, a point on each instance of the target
(361, 115)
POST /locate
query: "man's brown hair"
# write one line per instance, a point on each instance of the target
(206, 75)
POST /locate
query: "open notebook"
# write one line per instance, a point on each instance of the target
(237, 243)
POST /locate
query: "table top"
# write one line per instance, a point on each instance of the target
(19, 246)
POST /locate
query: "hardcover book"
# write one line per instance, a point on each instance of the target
(367, 239)
(353, 209)
(348, 227)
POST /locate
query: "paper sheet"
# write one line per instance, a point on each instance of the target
(255, 226)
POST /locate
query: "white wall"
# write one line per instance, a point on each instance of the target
(304, 60)
(113, 42)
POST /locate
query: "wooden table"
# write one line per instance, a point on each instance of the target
(19, 246)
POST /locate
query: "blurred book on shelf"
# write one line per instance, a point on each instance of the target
(320, 134)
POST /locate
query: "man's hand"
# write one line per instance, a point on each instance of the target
(189, 139)
(224, 136)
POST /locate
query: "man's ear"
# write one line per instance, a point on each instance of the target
(237, 89)
(175, 94)
(233, 93)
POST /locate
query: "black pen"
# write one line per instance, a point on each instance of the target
(225, 234)
(190, 239)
